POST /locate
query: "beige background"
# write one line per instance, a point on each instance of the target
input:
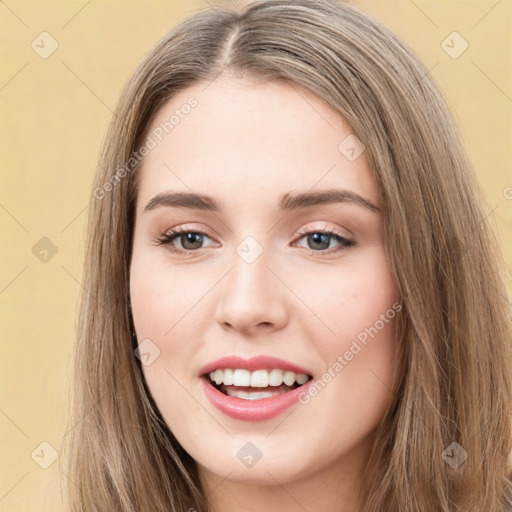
(54, 115)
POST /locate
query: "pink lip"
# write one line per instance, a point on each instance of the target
(254, 363)
(252, 410)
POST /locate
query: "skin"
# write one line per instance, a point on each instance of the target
(245, 144)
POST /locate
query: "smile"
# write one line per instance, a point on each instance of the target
(248, 393)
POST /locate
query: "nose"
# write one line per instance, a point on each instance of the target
(252, 298)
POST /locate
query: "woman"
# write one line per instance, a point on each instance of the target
(293, 300)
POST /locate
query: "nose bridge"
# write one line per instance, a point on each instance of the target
(251, 294)
(250, 272)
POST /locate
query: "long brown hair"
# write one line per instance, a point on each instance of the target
(455, 329)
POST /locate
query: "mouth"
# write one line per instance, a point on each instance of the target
(254, 389)
(259, 384)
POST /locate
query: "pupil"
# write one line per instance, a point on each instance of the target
(191, 237)
(317, 238)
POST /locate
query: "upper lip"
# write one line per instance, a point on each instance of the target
(261, 362)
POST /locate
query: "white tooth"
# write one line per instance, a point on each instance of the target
(219, 375)
(275, 377)
(259, 379)
(301, 378)
(252, 395)
(241, 377)
(212, 376)
(289, 378)
(228, 377)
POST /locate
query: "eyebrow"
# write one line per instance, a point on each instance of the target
(288, 201)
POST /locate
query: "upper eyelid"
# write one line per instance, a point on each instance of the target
(325, 227)
(305, 229)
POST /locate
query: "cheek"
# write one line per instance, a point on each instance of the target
(160, 302)
(160, 295)
(360, 308)
(351, 298)
(167, 310)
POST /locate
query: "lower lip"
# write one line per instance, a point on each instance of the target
(252, 410)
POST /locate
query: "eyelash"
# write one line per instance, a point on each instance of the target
(168, 237)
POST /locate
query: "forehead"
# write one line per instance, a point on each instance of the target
(232, 137)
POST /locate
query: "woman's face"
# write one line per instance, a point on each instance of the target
(260, 280)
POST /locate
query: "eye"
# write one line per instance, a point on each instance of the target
(190, 240)
(319, 240)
